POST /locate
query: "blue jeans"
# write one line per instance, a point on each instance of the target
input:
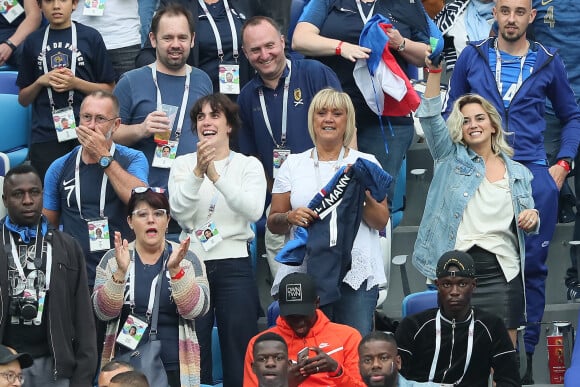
(356, 308)
(234, 304)
(146, 10)
(370, 140)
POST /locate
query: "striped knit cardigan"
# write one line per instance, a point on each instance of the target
(190, 294)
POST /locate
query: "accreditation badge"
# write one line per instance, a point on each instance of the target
(208, 235)
(10, 9)
(94, 7)
(279, 155)
(165, 154)
(64, 124)
(99, 235)
(132, 332)
(229, 76)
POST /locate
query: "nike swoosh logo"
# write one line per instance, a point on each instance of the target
(546, 2)
(65, 182)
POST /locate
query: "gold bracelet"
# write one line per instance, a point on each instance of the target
(117, 281)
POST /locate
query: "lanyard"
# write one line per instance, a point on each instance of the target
(216, 33)
(317, 166)
(132, 277)
(184, 99)
(364, 18)
(215, 197)
(78, 184)
(438, 346)
(498, 70)
(73, 65)
(284, 109)
(38, 254)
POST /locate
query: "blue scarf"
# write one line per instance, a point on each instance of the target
(26, 233)
(477, 15)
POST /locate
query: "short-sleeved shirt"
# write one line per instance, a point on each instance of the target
(340, 19)
(60, 195)
(307, 78)
(138, 97)
(93, 65)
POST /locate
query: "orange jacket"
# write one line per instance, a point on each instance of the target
(340, 341)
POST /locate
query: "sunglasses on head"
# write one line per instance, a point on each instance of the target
(141, 190)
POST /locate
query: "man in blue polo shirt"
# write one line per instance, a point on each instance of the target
(274, 105)
(500, 69)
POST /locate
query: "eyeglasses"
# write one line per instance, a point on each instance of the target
(159, 213)
(99, 119)
(141, 190)
(12, 376)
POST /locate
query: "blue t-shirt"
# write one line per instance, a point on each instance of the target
(168, 323)
(138, 97)
(308, 77)
(206, 42)
(93, 65)
(556, 25)
(340, 19)
(60, 195)
(511, 66)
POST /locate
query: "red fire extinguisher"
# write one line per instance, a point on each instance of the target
(558, 353)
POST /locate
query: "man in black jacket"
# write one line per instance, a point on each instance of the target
(45, 304)
(456, 344)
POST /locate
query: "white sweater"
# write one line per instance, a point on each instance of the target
(241, 194)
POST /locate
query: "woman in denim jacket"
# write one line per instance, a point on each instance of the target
(479, 201)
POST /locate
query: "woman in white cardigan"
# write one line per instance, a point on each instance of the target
(215, 195)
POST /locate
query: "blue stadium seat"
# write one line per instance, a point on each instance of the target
(273, 313)
(8, 82)
(216, 354)
(418, 302)
(4, 167)
(14, 129)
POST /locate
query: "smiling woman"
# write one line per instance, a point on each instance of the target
(215, 196)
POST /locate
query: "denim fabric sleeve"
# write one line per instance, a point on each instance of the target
(434, 127)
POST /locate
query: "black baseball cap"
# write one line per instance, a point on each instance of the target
(297, 295)
(7, 356)
(459, 259)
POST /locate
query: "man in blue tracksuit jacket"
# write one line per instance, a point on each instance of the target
(516, 76)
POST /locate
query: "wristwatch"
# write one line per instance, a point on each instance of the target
(401, 46)
(105, 161)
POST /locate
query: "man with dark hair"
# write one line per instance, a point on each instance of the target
(11, 366)
(129, 379)
(322, 352)
(456, 344)
(271, 360)
(379, 360)
(111, 369)
(167, 81)
(44, 299)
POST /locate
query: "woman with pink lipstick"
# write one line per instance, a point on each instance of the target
(222, 191)
(480, 201)
(126, 279)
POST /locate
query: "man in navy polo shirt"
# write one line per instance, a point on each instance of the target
(274, 105)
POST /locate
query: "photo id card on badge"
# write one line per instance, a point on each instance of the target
(208, 235)
(94, 7)
(10, 9)
(132, 332)
(279, 155)
(165, 154)
(99, 236)
(65, 124)
(229, 75)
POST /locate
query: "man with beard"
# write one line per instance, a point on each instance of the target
(500, 70)
(379, 361)
(456, 344)
(145, 93)
(271, 360)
